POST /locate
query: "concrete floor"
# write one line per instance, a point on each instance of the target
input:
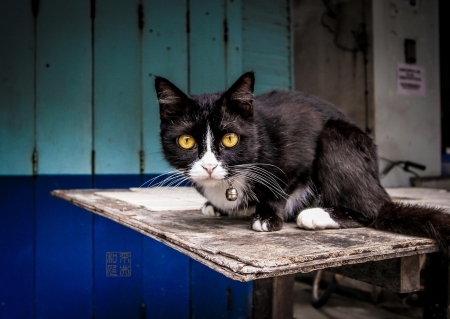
(350, 303)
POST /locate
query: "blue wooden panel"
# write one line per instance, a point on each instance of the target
(118, 296)
(208, 71)
(117, 87)
(64, 87)
(17, 247)
(16, 89)
(63, 251)
(216, 296)
(166, 281)
(164, 53)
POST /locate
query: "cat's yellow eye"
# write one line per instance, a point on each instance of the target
(186, 141)
(230, 139)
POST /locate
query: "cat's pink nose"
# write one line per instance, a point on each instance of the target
(209, 168)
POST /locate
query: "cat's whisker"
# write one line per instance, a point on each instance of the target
(269, 176)
(173, 185)
(270, 183)
(167, 187)
(248, 192)
(171, 173)
(254, 166)
(169, 182)
(264, 177)
(249, 196)
(175, 177)
(164, 182)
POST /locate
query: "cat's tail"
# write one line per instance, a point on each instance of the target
(415, 220)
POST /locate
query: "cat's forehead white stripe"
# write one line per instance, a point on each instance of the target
(208, 139)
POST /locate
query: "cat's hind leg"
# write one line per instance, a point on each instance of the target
(324, 218)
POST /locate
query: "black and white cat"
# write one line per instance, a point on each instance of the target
(289, 156)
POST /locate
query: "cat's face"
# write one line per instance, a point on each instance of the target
(206, 136)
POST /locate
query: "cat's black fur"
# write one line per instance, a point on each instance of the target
(317, 156)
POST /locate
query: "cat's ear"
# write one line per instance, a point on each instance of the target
(172, 101)
(239, 97)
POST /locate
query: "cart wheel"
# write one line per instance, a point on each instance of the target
(320, 296)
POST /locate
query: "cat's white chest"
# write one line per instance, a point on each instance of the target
(217, 196)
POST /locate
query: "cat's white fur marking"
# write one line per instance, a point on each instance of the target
(208, 210)
(216, 195)
(209, 139)
(315, 218)
(198, 171)
(258, 226)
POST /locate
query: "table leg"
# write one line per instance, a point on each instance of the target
(436, 287)
(273, 298)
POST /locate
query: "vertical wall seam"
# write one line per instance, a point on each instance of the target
(35, 10)
(93, 13)
(141, 23)
(226, 43)
(188, 44)
(290, 24)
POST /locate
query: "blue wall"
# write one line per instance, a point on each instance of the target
(78, 110)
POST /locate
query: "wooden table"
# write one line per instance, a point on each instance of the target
(228, 246)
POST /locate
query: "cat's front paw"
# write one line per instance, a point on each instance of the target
(209, 210)
(270, 223)
(315, 218)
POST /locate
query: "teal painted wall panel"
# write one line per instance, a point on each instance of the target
(117, 87)
(16, 87)
(64, 87)
(267, 43)
(208, 70)
(224, 40)
(164, 53)
(234, 41)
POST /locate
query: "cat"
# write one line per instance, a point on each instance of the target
(289, 156)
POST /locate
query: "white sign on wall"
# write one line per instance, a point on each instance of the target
(411, 80)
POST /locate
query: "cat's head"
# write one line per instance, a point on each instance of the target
(205, 136)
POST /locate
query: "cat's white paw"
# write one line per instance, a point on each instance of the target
(315, 218)
(209, 210)
(260, 226)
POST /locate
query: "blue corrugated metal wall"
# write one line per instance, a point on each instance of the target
(78, 110)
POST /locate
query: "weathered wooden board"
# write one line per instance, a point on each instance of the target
(228, 246)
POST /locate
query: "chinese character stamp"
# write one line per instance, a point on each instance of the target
(118, 264)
